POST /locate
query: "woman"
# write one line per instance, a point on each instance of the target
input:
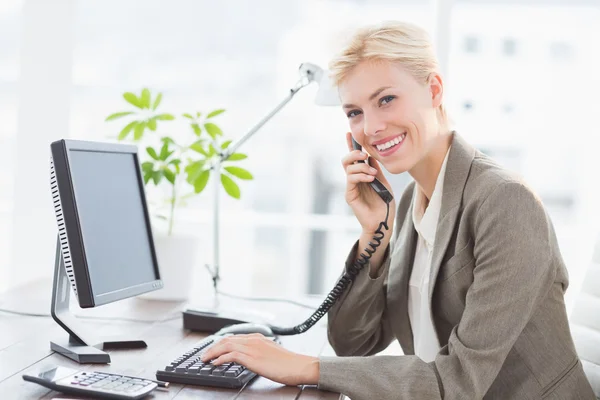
(471, 286)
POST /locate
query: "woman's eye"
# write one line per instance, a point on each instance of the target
(353, 113)
(386, 99)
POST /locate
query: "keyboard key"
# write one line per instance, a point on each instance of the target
(206, 370)
(232, 373)
(219, 371)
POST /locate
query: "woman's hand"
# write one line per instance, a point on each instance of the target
(266, 358)
(366, 204)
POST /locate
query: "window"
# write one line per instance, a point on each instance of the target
(528, 141)
(509, 47)
(561, 51)
(472, 45)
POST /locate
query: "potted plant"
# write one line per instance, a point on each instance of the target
(177, 168)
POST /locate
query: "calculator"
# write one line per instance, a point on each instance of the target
(98, 385)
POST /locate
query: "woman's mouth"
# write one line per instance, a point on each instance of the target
(389, 147)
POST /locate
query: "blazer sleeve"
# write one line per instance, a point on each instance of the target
(513, 249)
(357, 325)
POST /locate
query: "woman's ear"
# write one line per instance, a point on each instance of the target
(436, 88)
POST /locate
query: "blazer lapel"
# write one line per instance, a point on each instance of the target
(457, 171)
(398, 278)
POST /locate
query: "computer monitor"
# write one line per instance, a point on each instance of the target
(105, 248)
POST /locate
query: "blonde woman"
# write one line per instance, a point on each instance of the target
(472, 283)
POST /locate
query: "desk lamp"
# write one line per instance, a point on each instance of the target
(215, 319)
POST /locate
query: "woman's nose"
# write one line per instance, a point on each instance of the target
(373, 125)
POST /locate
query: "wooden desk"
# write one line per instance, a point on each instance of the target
(25, 347)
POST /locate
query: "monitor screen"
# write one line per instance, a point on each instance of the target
(110, 206)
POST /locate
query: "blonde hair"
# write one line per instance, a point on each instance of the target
(406, 44)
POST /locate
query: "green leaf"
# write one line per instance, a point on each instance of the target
(164, 152)
(215, 113)
(194, 170)
(147, 177)
(160, 217)
(167, 139)
(152, 153)
(175, 161)
(127, 129)
(225, 144)
(170, 175)
(118, 115)
(197, 129)
(230, 186)
(145, 98)
(157, 176)
(200, 183)
(165, 117)
(188, 116)
(157, 101)
(147, 166)
(237, 157)
(132, 99)
(177, 169)
(198, 114)
(212, 129)
(211, 150)
(139, 130)
(198, 148)
(151, 124)
(239, 172)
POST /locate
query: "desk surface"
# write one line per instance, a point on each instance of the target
(25, 347)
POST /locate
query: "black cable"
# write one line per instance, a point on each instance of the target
(266, 299)
(27, 314)
(342, 285)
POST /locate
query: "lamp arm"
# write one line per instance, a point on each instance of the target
(234, 146)
(216, 167)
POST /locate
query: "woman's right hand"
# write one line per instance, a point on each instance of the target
(366, 204)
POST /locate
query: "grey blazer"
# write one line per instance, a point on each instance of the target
(496, 289)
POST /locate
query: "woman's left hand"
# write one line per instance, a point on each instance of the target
(266, 358)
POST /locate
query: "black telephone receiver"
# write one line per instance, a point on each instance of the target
(377, 186)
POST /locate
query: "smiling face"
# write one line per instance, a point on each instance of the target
(393, 116)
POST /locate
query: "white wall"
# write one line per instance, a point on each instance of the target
(44, 103)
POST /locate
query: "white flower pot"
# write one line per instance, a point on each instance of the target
(176, 259)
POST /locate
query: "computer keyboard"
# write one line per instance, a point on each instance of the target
(189, 369)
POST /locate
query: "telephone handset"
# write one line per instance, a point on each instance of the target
(379, 188)
(351, 270)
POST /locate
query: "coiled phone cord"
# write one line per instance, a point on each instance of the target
(342, 285)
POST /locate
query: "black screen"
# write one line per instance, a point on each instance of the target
(112, 219)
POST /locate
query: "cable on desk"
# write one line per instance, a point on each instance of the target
(146, 321)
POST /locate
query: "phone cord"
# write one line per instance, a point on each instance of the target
(341, 286)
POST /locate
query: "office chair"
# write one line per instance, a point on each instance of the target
(585, 321)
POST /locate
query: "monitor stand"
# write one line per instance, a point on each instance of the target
(78, 346)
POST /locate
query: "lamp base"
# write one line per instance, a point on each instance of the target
(212, 320)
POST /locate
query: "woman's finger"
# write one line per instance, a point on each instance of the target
(358, 178)
(236, 357)
(353, 157)
(349, 140)
(224, 346)
(361, 168)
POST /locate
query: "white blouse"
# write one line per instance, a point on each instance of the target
(425, 219)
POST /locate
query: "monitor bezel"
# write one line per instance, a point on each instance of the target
(61, 151)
